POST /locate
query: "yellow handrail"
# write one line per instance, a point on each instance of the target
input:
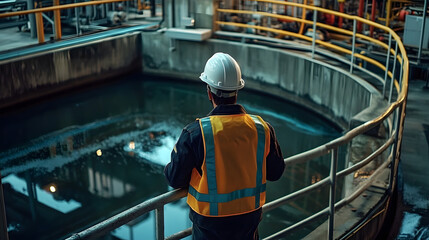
(57, 18)
(60, 7)
(401, 58)
(304, 21)
(320, 42)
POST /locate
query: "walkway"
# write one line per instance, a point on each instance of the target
(415, 164)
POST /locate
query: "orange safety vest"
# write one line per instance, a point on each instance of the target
(233, 177)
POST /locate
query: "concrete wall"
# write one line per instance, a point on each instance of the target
(329, 91)
(44, 73)
(199, 10)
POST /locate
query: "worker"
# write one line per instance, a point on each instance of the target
(224, 159)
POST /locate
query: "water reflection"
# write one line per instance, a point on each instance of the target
(107, 186)
(82, 158)
(40, 195)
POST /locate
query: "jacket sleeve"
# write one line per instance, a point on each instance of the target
(178, 171)
(275, 162)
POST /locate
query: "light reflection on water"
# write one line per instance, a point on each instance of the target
(43, 196)
(104, 150)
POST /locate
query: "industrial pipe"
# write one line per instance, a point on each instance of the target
(285, 8)
(173, 13)
(373, 8)
(360, 14)
(341, 7)
(152, 8)
(32, 19)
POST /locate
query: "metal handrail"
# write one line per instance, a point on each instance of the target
(57, 23)
(338, 205)
(394, 114)
(124, 217)
(59, 7)
(307, 38)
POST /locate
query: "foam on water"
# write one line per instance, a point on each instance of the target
(159, 152)
(293, 123)
(414, 197)
(159, 155)
(409, 224)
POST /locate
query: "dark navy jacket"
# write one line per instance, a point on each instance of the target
(188, 153)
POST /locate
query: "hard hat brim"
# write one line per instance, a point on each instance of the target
(205, 79)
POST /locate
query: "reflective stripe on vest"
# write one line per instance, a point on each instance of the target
(213, 197)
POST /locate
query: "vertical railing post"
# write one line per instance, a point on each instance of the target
(314, 33)
(349, 178)
(32, 19)
(387, 64)
(40, 29)
(393, 165)
(270, 10)
(393, 72)
(352, 57)
(332, 178)
(3, 225)
(215, 16)
(389, 8)
(401, 71)
(57, 20)
(159, 218)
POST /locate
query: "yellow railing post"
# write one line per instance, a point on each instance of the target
(215, 26)
(304, 11)
(139, 5)
(40, 30)
(57, 20)
(388, 10)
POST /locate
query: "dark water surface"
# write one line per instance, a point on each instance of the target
(70, 162)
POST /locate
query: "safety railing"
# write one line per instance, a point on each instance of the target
(393, 117)
(57, 17)
(39, 15)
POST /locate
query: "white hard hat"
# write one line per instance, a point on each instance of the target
(222, 72)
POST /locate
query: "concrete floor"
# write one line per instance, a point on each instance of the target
(12, 39)
(415, 163)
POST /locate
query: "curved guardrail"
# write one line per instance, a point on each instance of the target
(394, 116)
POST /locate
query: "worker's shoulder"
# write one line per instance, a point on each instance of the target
(193, 127)
(268, 124)
(270, 127)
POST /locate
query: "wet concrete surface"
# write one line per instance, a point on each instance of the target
(415, 164)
